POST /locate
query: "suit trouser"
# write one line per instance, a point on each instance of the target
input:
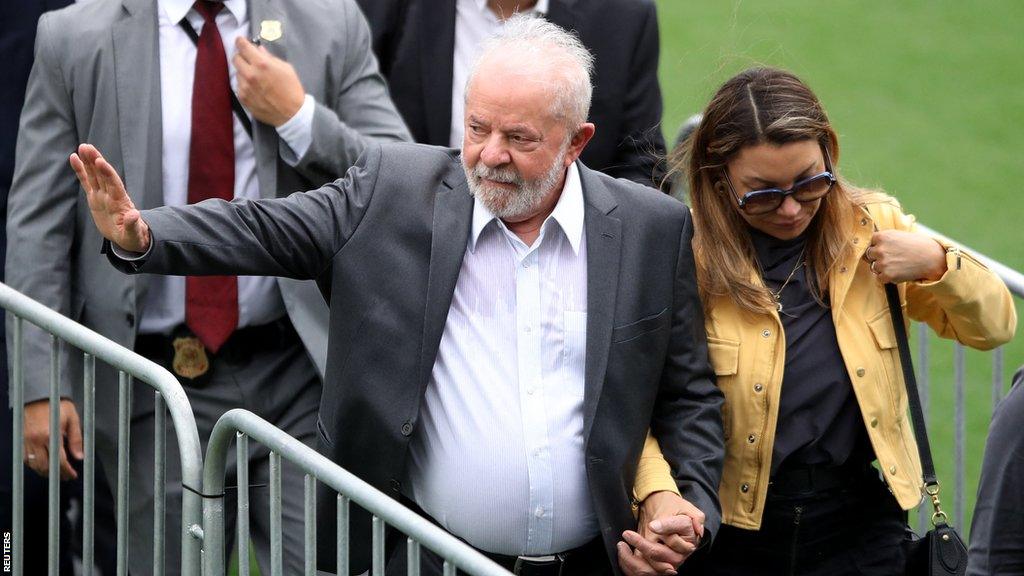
(278, 382)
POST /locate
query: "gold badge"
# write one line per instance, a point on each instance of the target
(190, 359)
(270, 30)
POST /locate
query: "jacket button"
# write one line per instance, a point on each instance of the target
(766, 333)
(745, 488)
(874, 422)
(407, 429)
(396, 486)
(863, 221)
(751, 439)
(130, 318)
(860, 372)
(758, 387)
(856, 240)
(843, 269)
(892, 469)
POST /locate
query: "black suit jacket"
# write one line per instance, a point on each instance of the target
(386, 245)
(415, 39)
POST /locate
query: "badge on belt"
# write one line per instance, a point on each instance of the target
(190, 360)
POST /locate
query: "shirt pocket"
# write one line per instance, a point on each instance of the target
(574, 350)
(725, 359)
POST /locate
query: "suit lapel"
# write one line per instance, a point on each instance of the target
(453, 213)
(137, 76)
(265, 140)
(604, 241)
(437, 48)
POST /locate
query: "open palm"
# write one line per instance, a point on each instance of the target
(112, 209)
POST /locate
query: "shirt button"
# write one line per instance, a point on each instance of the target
(526, 264)
(527, 329)
(530, 391)
(874, 422)
(766, 333)
(407, 429)
(751, 439)
(860, 372)
(539, 512)
(758, 387)
(745, 488)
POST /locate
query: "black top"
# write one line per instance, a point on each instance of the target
(819, 420)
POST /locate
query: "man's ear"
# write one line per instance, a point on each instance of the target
(579, 141)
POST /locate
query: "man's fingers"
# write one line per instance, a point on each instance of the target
(631, 564)
(67, 471)
(36, 459)
(652, 551)
(73, 432)
(248, 51)
(83, 176)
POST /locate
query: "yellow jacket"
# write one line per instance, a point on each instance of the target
(969, 304)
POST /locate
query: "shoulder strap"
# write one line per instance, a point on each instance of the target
(243, 118)
(916, 413)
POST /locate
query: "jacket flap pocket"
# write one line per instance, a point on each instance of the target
(724, 356)
(881, 329)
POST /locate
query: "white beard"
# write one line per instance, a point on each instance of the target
(512, 203)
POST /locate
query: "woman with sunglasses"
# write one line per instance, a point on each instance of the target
(821, 462)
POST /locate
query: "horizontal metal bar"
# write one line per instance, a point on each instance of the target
(340, 480)
(1014, 280)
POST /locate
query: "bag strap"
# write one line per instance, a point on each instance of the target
(236, 106)
(924, 450)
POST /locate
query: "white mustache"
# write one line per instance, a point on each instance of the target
(503, 175)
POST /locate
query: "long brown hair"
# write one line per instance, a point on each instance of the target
(760, 105)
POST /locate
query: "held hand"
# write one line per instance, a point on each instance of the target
(267, 85)
(112, 210)
(897, 256)
(669, 530)
(37, 437)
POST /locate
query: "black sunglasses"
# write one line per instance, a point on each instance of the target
(769, 199)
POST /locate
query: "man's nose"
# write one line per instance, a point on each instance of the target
(495, 152)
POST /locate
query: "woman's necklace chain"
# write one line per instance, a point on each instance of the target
(777, 294)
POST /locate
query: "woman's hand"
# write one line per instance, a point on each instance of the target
(897, 256)
(669, 529)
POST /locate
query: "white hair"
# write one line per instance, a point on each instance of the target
(533, 41)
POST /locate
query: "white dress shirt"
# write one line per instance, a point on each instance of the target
(474, 23)
(499, 456)
(259, 300)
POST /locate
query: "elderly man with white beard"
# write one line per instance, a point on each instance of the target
(506, 325)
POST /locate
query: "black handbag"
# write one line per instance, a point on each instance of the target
(941, 551)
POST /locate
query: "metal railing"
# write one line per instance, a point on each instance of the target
(241, 425)
(131, 366)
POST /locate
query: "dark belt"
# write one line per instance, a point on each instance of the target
(579, 561)
(243, 342)
(807, 479)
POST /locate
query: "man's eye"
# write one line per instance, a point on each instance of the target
(476, 129)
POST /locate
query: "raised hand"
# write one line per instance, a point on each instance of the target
(268, 86)
(897, 256)
(112, 210)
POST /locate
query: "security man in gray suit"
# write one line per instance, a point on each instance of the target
(506, 324)
(188, 108)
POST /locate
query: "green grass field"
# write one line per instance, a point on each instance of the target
(928, 100)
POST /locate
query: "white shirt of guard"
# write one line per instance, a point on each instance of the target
(259, 300)
(499, 455)
(474, 23)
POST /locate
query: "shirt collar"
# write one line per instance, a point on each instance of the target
(568, 213)
(541, 7)
(175, 10)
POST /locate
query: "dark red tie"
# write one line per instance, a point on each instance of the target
(211, 302)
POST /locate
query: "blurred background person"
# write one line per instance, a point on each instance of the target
(997, 532)
(425, 48)
(190, 109)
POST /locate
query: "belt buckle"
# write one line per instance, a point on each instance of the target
(524, 564)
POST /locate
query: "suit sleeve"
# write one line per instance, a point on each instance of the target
(359, 112)
(294, 237)
(41, 210)
(687, 418)
(640, 149)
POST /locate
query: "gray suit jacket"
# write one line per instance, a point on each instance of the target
(96, 79)
(386, 244)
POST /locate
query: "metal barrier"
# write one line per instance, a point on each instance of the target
(242, 424)
(167, 392)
